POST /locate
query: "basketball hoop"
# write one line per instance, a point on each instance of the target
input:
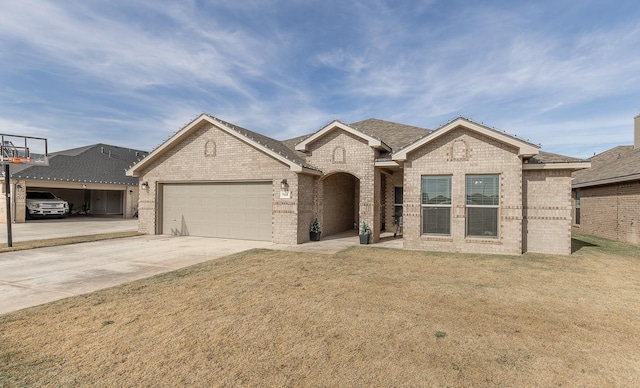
(20, 150)
(17, 149)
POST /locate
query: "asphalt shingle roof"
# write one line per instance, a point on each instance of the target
(98, 163)
(266, 141)
(395, 135)
(548, 157)
(619, 164)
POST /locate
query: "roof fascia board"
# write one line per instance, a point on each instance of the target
(371, 141)
(557, 166)
(309, 171)
(387, 163)
(135, 170)
(160, 150)
(524, 149)
(607, 181)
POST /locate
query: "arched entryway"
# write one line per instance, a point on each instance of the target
(340, 203)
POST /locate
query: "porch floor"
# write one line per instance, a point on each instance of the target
(337, 242)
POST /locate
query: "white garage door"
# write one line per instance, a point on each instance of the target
(224, 210)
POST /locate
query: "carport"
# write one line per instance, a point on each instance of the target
(86, 201)
(91, 179)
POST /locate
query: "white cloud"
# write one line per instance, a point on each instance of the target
(136, 71)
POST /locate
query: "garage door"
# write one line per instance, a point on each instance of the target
(224, 210)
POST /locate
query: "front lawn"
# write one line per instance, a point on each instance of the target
(361, 317)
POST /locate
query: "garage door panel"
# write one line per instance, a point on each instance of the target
(224, 210)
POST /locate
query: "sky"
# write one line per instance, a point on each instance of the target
(562, 73)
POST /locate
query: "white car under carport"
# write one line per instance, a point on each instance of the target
(45, 204)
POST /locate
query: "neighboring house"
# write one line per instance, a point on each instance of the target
(92, 179)
(607, 196)
(463, 187)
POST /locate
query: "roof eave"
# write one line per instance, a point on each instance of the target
(371, 141)
(160, 150)
(525, 149)
(308, 171)
(574, 166)
(155, 154)
(387, 163)
(607, 181)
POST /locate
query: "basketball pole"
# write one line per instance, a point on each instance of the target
(7, 189)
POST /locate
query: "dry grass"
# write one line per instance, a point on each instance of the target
(362, 317)
(52, 242)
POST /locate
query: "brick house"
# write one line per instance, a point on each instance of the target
(607, 196)
(463, 187)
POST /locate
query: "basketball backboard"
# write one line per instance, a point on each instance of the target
(17, 149)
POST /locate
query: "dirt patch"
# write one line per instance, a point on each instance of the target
(361, 317)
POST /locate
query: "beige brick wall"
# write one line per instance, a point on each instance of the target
(359, 162)
(547, 211)
(234, 160)
(339, 216)
(612, 212)
(473, 154)
(394, 178)
(306, 205)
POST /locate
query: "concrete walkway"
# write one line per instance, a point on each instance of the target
(338, 242)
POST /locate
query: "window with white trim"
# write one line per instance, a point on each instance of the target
(483, 203)
(436, 205)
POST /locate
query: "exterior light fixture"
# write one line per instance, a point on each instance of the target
(284, 192)
(144, 185)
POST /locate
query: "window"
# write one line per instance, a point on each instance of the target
(397, 203)
(483, 201)
(436, 205)
(576, 219)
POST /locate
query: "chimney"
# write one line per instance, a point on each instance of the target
(636, 132)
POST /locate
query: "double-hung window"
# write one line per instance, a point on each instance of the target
(436, 205)
(483, 202)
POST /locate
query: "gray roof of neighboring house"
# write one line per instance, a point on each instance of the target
(98, 163)
(619, 164)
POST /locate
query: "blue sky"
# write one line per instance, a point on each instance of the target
(562, 73)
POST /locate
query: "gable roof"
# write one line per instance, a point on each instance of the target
(97, 163)
(396, 135)
(372, 141)
(525, 148)
(269, 146)
(619, 164)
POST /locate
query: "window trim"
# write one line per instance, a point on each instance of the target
(577, 213)
(424, 206)
(397, 204)
(468, 206)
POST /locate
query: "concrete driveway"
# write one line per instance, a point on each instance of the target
(36, 276)
(67, 227)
